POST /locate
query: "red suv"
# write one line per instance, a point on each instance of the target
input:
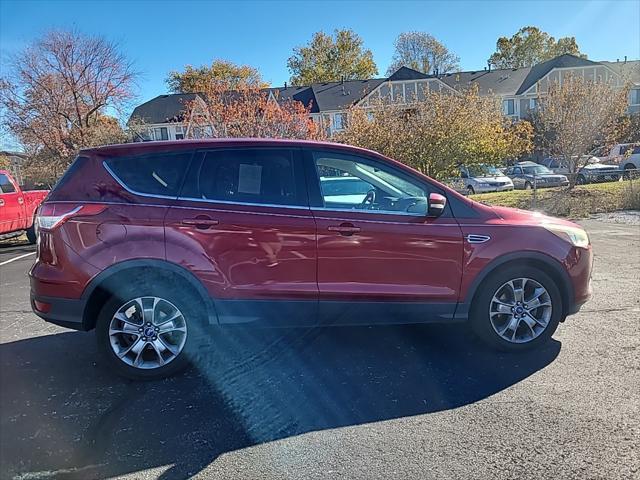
(149, 243)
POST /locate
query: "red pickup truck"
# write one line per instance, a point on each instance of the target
(18, 207)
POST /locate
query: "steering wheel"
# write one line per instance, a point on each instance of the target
(369, 198)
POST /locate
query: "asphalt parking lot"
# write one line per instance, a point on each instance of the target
(386, 402)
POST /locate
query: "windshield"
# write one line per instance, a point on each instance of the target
(536, 170)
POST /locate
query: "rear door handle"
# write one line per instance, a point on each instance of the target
(1, 203)
(200, 223)
(346, 229)
(20, 200)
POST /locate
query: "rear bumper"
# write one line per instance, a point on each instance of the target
(65, 312)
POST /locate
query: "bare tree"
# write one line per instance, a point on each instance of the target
(576, 115)
(58, 92)
(423, 52)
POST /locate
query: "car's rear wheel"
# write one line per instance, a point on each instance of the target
(581, 180)
(32, 236)
(517, 308)
(470, 190)
(527, 186)
(148, 332)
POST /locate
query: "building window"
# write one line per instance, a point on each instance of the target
(180, 132)
(161, 133)
(634, 96)
(398, 95)
(509, 107)
(338, 121)
(145, 135)
(533, 103)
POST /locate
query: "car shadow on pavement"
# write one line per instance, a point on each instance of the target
(64, 413)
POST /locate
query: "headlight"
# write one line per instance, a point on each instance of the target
(575, 235)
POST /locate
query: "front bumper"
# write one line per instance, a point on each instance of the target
(65, 312)
(493, 188)
(540, 184)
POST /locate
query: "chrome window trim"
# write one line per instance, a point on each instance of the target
(379, 212)
(190, 199)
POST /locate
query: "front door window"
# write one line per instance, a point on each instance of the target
(348, 183)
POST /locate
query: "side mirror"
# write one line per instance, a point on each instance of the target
(437, 203)
(464, 175)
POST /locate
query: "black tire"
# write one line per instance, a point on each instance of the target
(479, 314)
(470, 190)
(181, 297)
(31, 235)
(528, 186)
(581, 180)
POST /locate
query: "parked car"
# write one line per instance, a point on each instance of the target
(344, 189)
(527, 174)
(17, 208)
(592, 172)
(153, 244)
(484, 178)
(625, 155)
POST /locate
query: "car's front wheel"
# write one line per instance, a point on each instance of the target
(147, 332)
(517, 308)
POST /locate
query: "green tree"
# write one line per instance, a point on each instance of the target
(529, 46)
(198, 79)
(5, 163)
(329, 58)
(422, 52)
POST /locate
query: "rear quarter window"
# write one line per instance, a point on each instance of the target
(156, 174)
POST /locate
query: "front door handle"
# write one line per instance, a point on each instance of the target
(1, 203)
(201, 223)
(346, 229)
(20, 200)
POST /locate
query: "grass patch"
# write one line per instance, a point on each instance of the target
(580, 202)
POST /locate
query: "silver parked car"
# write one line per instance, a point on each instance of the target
(484, 178)
(527, 174)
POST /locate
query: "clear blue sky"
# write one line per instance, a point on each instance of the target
(164, 35)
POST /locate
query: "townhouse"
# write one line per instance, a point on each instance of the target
(162, 118)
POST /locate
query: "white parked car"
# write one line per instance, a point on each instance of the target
(484, 178)
(347, 189)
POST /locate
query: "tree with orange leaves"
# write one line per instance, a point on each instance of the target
(248, 112)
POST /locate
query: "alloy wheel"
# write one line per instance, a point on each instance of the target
(147, 332)
(520, 310)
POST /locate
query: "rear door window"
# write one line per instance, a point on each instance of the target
(5, 184)
(255, 175)
(158, 174)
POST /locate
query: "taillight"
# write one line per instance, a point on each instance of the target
(51, 216)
